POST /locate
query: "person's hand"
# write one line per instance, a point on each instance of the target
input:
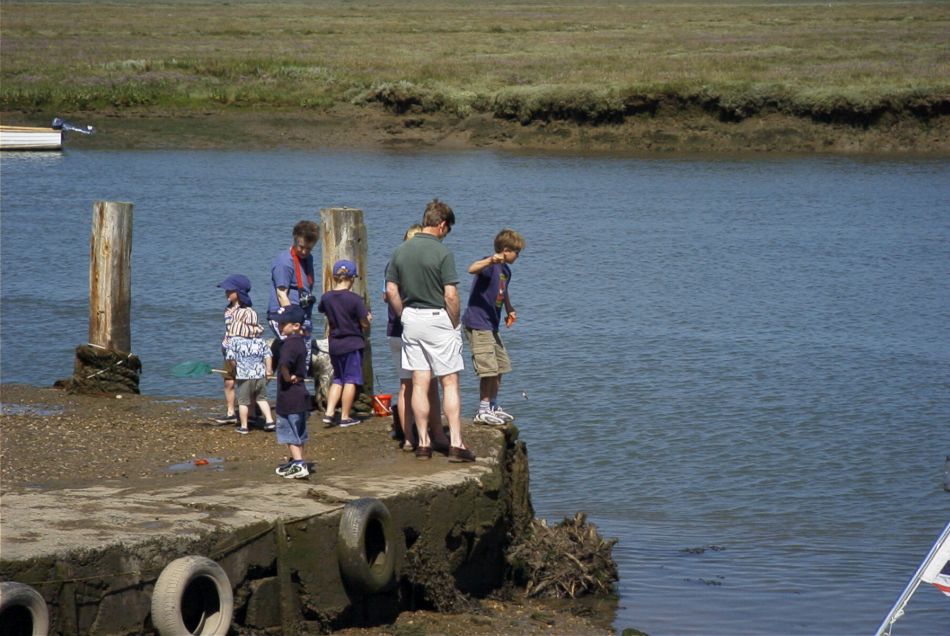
(497, 258)
(510, 319)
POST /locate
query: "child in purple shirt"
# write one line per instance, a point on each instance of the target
(347, 318)
(482, 320)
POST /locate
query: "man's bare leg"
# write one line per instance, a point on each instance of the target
(420, 404)
(452, 407)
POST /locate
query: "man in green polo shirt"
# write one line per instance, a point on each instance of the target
(421, 288)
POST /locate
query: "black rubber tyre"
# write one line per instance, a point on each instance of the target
(192, 596)
(366, 546)
(22, 610)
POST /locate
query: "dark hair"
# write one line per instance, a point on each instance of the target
(436, 212)
(307, 230)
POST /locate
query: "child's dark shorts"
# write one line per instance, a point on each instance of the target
(348, 367)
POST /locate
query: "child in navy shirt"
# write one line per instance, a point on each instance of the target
(347, 318)
(293, 399)
(482, 319)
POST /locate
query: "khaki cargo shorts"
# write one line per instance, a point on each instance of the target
(489, 357)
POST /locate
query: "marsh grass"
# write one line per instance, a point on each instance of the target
(588, 62)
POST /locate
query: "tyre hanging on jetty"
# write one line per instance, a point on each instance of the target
(192, 596)
(366, 546)
(22, 610)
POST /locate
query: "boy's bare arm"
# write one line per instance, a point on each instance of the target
(285, 373)
(482, 263)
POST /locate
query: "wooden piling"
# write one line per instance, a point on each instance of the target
(343, 235)
(105, 363)
(110, 276)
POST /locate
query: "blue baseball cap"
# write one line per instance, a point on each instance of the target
(344, 268)
(240, 284)
(290, 313)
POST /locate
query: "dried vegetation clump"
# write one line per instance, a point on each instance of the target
(567, 560)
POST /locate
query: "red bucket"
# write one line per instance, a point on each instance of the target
(381, 405)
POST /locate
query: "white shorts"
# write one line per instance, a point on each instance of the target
(430, 342)
(395, 348)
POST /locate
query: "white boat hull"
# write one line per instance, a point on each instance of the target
(29, 138)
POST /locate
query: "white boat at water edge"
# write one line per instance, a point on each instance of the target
(38, 138)
(30, 138)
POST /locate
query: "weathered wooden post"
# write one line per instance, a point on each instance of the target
(105, 364)
(343, 235)
(110, 276)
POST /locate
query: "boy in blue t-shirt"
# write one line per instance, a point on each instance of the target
(482, 320)
(347, 318)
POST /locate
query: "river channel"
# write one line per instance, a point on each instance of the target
(740, 368)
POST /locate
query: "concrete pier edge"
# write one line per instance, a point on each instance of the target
(94, 553)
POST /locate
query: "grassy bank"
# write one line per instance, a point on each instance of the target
(586, 63)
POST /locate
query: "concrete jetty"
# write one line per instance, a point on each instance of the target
(371, 533)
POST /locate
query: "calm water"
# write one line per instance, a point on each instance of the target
(741, 369)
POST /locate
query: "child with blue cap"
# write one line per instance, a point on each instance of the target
(293, 399)
(347, 318)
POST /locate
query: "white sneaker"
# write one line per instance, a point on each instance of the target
(489, 418)
(283, 468)
(297, 471)
(499, 412)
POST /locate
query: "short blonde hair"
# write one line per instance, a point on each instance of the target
(510, 240)
(414, 229)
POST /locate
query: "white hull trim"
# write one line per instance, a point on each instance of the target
(27, 138)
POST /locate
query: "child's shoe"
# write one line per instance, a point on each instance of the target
(297, 471)
(270, 427)
(227, 419)
(488, 418)
(327, 421)
(497, 411)
(240, 430)
(283, 468)
(350, 421)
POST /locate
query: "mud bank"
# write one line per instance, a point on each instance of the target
(660, 128)
(101, 494)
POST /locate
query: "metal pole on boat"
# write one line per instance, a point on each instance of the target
(898, 610)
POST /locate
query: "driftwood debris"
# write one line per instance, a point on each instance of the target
(567, 560)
